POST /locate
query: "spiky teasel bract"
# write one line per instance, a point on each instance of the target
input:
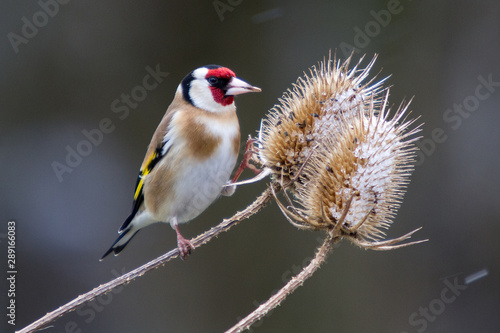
(308, 111)
(357, 178)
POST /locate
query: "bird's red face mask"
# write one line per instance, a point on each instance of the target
(224, 85)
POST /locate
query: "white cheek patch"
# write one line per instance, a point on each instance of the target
(201, 94)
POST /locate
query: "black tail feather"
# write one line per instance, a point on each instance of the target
(127, 221)
(117, 248)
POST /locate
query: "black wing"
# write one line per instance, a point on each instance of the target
(152, 160)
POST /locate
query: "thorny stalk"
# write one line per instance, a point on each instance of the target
(153, 264)
(289, 288)
(333, 236)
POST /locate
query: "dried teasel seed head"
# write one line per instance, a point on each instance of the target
(360, 171)
(308, 111)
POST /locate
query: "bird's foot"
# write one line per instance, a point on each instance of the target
(247, 157)
(184, 245)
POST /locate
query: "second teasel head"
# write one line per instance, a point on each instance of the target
(359, 176)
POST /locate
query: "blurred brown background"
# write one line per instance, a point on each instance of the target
(61, 79)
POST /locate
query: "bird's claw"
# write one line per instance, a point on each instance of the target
(245, 162)
(185, 247)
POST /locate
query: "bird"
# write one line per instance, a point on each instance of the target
(191, 156)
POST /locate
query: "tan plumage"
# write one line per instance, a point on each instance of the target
(195, 143)
(191, 155)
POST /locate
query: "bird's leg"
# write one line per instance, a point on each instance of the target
(245, 163)
(229, 189)
(185, 247)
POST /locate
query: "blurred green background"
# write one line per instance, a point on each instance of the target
(61, 78)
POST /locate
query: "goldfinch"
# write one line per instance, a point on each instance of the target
(191, 155)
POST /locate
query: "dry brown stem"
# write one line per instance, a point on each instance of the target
(153, 264)
(289, 288)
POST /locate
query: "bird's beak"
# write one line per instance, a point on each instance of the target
(238, 87)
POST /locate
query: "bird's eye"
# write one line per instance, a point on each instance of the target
(213, 80)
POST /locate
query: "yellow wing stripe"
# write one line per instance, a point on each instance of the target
(146, 170)
(138, 190)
